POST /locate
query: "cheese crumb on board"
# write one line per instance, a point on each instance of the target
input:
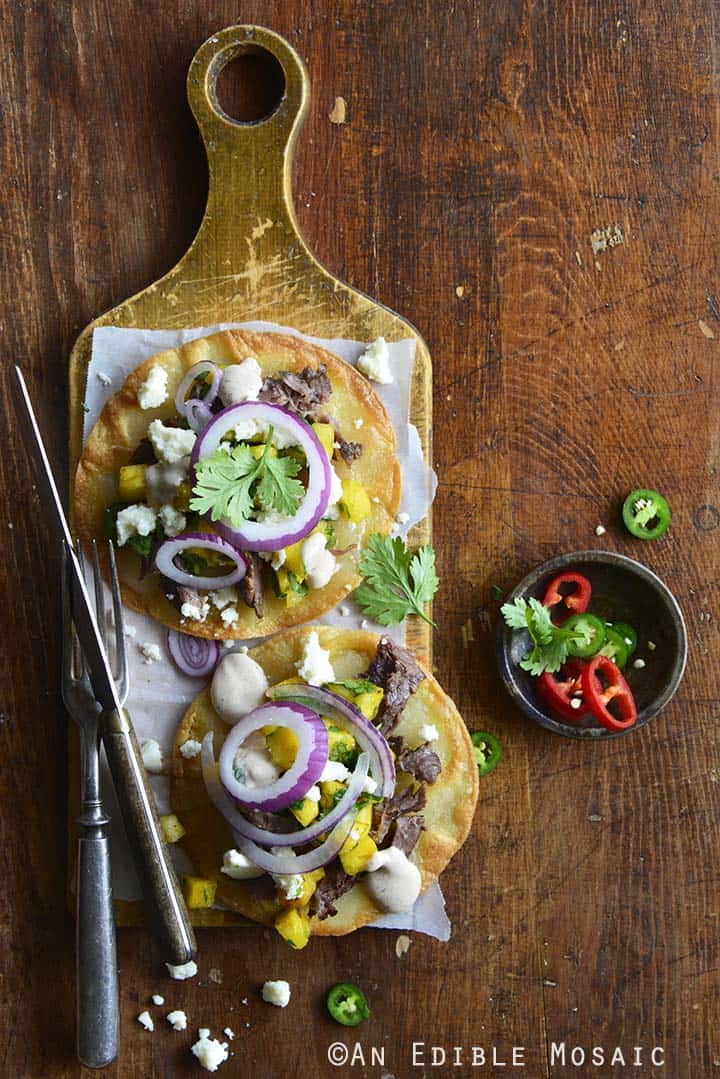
(145, 1020)
(210, 1053)
(183, 970)
(277, 993)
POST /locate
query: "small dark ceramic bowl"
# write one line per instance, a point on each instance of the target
(623, 590)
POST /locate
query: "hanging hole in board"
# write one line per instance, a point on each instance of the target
(250, 86)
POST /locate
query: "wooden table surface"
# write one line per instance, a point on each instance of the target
(487, 150)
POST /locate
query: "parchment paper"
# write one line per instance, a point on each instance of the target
(159, 692)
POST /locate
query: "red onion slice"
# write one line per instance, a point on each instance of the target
(198, 414)
(195, 656)
(347, 716)
(311, 757)
(299, 837)
(272, 863)
(269, 535)
(206, 541)
(286, 864)
(204, 367)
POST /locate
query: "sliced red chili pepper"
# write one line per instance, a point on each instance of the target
(570, 592)
(617, 692)
(557, 690)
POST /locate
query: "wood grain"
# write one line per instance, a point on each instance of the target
(483, 147)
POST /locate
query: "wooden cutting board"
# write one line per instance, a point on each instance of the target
(249, 261)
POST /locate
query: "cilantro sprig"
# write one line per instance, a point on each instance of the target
(550, 643)
(397, 582)
(230, 483)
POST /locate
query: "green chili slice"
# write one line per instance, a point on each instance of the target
(615, 647)
(628, 634)
(487, 751)
(586, 635)
(646, 514)
(347, 1005)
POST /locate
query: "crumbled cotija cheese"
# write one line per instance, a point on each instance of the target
(153, 391)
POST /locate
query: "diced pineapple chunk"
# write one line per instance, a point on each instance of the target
(328, 790)
(310, 881)
(294, 926)
(172, 828)
(305, 811)
(355, 500)
(131, 483)
(258, 450)
(369, 702)
(291, 597)
(282, 746)
(293, 560)
(361, 827)
(181, 501)
(354, 860)
(326, 435)
(198, 892)
(341, 744)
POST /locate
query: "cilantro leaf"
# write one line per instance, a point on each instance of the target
(546, 657)
(357, 685)
(230, 483)
(422, 571)
(550, 643)
(222, 484)
(277, 488)
(515, 613)
(397, 582)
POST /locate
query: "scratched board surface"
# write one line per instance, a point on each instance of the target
(483, 146)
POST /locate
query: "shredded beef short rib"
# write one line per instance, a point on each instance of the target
(302, 393)
(402, 804)
(334, 884)
(251, 586)
(397, 672)
(271, 822)
(422, 763)
(407, 832)
(143, 454)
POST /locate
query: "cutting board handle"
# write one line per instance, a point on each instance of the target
(249, 163)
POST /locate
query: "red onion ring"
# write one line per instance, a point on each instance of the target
(311, 758)
(195, 656)
(281, 864)
(202, 368)
(264, 535)
(347, 716)
(207, 541)
(297, 838)
(198, 414)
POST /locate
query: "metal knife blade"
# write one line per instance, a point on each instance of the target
(82, 608)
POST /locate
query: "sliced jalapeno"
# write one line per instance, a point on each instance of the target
(347, 1005)
(586, 635)
(487, 751)
(615, 647)
(628, 634)
(646, 514)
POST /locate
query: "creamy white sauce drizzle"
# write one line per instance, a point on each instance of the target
(238, 686)
(393, 880)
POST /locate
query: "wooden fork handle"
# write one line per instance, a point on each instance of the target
(166, 906)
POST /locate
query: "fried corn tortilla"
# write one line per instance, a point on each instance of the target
(448, 813)
(123, 424)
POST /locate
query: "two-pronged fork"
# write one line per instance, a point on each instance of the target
(164, 901)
